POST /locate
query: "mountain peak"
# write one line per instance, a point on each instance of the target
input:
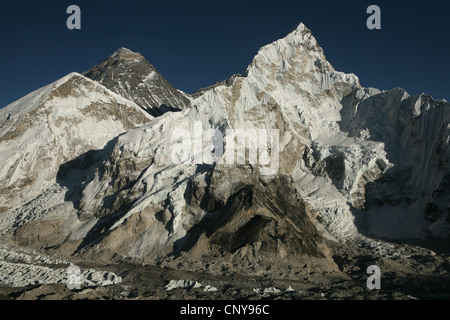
(124, 50)
(301, 27)
(126, 54)
(67, 78)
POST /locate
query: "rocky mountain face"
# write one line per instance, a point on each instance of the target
(130, 75)
(350, 162)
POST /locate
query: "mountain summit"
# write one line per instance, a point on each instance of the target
(126, 54)
(130, 75)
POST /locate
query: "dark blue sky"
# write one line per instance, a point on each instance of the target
(196, 43)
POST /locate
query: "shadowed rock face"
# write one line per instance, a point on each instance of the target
(263, 218)
(129, 74)
(256, 224)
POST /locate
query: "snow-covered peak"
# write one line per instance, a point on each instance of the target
(301, 27)
(54, 124)
(296, 63)
(300, 38)
(72, 84)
